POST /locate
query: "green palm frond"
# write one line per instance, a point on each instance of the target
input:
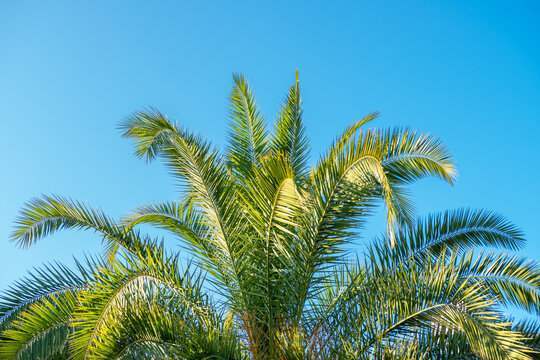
(146, 329)
(460, 230)
(182, 220)
(511, 279)
(193, 160)
(151, 132)
(149, 277)
(389, 308)
(42, 329)
(290, 136)
(531, 331)
(35, 313)
(412, 156)
(43, 216)
(342, 140)
(247, 136)
(40, 285)
(201, 169)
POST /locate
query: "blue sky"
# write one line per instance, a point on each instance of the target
(466, 71)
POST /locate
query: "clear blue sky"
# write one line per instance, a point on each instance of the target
(466, 71)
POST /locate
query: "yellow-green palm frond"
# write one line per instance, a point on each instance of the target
(290, 136)
(43, 216)
(248, 139)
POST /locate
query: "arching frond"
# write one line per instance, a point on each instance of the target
(345, 182)
(531, 331)
(208, 184)
(460, 230)
(40, 285)
(152, 278)
(36, 311)
(392, 308)
(144, 330)
(48, 214)
(511, 279)
(42, 329)
(412, 156)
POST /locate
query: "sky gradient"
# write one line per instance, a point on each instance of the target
(465, 71)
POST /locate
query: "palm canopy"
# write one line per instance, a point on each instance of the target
(269, 276)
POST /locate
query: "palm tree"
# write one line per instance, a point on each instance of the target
(269, 275)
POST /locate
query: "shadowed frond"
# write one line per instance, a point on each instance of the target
(41, 330)
(460, 230)
(40, 284)
(35, 313)
(531, 331)
(384, 308)
(511, 279)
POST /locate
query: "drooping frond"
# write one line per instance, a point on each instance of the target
(360, 163)
(208, 184)
(345, 182)
(151, 132)
(387, 308)
(190, 158)
(181, 219)
(144, 329)
(46, 215)
(41, 330)
(531, 331)
(460, 230)
(42, 283)
(413, 156)
(511, 279)
(184, 221)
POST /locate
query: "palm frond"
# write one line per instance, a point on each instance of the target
(531, 331)
(290, 134)
(40, 285)
(460, 230)
(208, 184)
(36, 311)
(42, 329)
(148, 329)
(152, 276)
(247, 136)
(511, 279)
(389, 308)
(43, 216)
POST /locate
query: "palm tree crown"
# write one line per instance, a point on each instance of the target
(269, 276)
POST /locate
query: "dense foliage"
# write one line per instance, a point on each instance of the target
(264, 271)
